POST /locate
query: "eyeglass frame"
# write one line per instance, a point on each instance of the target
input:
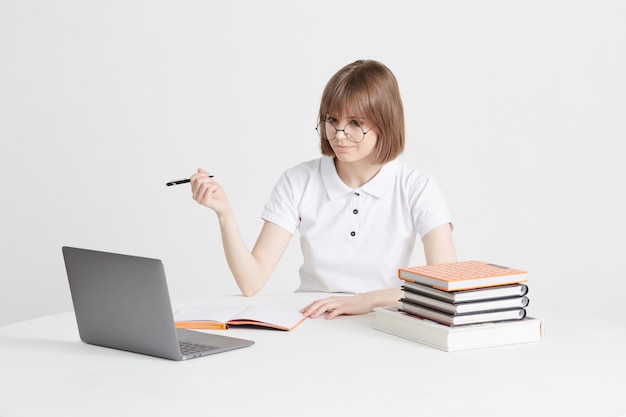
(341, 130)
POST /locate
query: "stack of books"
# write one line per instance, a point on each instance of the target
(462, 305)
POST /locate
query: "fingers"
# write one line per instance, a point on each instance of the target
(202, 185)
(201, 174)
(334, 306)
(334, 313)
(204, 191)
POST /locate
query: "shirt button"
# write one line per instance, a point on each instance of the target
(355, 211)
(352, 233)
(357, 194)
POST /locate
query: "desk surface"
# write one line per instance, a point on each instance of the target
(321, 368)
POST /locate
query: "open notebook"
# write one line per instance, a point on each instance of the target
(214, 318)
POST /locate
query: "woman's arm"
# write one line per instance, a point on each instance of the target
(439, 246)
(353, 304)
(251, 269)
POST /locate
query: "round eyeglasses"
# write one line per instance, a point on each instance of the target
(354, 132)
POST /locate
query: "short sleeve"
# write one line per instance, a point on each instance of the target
(281, 208)
(428, 205)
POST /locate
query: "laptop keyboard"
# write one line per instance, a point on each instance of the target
(188, 348)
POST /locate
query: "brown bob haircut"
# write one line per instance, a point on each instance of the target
(370, 90)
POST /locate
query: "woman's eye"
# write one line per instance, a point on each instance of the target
(331, 120)
(355, 122)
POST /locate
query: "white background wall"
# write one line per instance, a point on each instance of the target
(517, 108)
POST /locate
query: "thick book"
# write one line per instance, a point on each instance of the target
(460, 319)
(464, 296)
(456, 338)
(462, 275)
(468, 307)
(221, 318)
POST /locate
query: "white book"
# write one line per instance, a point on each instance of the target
(455, 338)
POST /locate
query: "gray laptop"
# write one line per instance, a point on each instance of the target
(122, 302)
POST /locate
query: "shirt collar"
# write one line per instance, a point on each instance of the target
(377, 186)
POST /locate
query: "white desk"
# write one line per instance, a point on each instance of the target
(321, 368)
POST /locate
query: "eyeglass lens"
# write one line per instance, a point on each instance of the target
(328, 131)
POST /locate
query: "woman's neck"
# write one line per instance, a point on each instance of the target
(356, 174)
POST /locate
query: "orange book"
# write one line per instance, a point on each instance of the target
(462, 275)
(222, 318)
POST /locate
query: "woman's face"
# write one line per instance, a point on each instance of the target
(355, 139)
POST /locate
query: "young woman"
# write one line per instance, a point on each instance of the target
(359, 210)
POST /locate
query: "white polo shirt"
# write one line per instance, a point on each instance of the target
(354, 240)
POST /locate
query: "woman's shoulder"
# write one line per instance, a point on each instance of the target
(414, 180)
(297, 178)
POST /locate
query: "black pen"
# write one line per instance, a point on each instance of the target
(183, 181)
